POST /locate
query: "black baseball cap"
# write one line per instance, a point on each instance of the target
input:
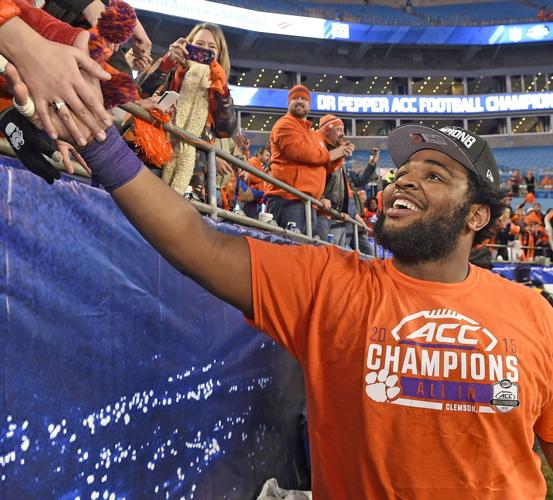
(469, 149)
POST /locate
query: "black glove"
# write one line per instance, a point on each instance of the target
(30, 144)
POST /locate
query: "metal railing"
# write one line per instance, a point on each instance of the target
(211, 207)
(511, 249)
(215, 211)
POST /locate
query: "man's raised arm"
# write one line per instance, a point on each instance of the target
(218, 262)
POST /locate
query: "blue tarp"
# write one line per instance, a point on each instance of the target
(120, 377)
(539, 273)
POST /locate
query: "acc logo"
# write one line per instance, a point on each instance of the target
(443, 326)
(505, 396)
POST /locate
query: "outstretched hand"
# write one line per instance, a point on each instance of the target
(55, 72)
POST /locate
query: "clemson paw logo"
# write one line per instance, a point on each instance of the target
(381, 386)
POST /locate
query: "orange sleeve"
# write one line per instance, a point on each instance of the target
(166, 64)
(46, 25)
(296, 148)
(294, 287)
(8, 9)
(283, 289)
(544, 424)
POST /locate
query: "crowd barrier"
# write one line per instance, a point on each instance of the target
(121, 378)
(543, 274)
(213, 151)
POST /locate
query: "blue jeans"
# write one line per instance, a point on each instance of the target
(338, 229)
(323, 227)
(251, 209)
(285, 211)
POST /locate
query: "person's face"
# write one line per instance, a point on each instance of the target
(265, 156)
(335, 135)
(537, 207)
(424, 211)
(299, 107)
(205, 39)
(362, 196)
(373, 205)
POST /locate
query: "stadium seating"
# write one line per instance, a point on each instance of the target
(537, 158)
(473, 13)
(462, 14)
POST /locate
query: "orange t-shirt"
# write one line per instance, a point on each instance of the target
(415, 389)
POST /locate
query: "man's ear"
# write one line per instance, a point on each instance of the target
(478, 218)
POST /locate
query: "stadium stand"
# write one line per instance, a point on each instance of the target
(478, 13)
(461, 14)
(537, 158)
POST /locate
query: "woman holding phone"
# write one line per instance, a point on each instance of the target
(197, 67)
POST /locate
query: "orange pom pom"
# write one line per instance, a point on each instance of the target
(152, 139)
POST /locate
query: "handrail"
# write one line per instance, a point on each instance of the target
(309, 201)
(213, 151)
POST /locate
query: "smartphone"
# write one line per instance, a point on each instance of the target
(199, 54)
(167, 100)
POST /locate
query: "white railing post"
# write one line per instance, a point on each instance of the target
(308, 219)
(211, 183)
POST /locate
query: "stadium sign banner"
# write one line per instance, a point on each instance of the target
(449, 35)
(236, 17)
(398, 105)
(312, 27)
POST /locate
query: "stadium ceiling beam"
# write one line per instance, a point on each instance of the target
(389, 51)
(248, 41)
(496, 54)
(471, 53)
(361, 52)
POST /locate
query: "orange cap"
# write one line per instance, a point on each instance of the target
(330, 121)
(299, 91)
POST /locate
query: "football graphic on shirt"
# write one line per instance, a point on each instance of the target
(443, 327)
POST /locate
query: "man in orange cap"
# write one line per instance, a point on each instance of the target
(300, 158)
(337, 190)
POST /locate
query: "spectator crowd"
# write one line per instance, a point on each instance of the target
(188, 86)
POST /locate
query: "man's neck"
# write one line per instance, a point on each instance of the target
(303, 118)
(453, 269)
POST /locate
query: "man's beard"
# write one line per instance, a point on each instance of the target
(302, 112)
(429, 239)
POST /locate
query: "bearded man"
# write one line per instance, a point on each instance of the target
(426, 377)
(300, 158)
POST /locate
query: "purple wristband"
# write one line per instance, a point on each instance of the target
(112, 162)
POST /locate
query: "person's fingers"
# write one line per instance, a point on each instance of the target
(69, 123)
(20, 93)
(80, 161)
(43, 111)
(178, 54)
(12, 76)
(65, 158)
(87, 107)
(81, 42)
(90, 66)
